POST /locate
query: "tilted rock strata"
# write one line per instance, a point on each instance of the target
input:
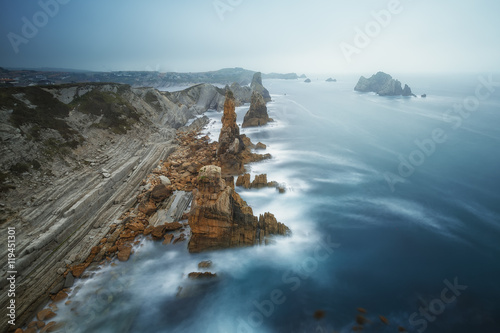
(61, 205)
(257, 113)
(219, 218)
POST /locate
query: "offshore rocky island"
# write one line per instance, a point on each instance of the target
(87, 168)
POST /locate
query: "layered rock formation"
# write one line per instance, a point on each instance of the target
(219, 218)
(72, 160)
(382, 84)
(257, 86)
(234, 150)
(257, 114)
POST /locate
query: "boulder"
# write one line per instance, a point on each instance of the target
(165, 181)
(257, 114)
(124, 252)
(307, 80)
(205, 264)
(260, 145)
(160, 192)
(45, 314)
(168, 239)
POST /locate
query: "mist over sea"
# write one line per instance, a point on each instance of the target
(391, 200)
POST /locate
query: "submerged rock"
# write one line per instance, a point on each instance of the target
(219, 218)
(257, 114)
(201, 275)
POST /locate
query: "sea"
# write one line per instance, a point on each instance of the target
(394, 208)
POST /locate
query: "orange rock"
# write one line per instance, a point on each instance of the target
(59, 296)
(127, 234)
(362, 310)
(384, 320)
(30, 330)
(148, 230)
(160, 192)
(135, 226)
(158, 232)
(95, 250)
(219, 218)
(45, 314)
(19, 330)
(173, 226)
(147, 207)
(361, 320)
(124, 252)
(77, 270)
(168, 239)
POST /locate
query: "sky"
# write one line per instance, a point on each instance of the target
(315, 36)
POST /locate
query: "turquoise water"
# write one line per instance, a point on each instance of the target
(393, 204)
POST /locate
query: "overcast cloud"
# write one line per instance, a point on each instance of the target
(321, 36)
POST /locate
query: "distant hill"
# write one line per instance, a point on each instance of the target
(154, 79)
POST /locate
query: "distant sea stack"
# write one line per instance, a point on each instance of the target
(257, 114)
(257, 86)
(383, 84)
(331, 80)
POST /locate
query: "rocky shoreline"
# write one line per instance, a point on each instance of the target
(160, 203)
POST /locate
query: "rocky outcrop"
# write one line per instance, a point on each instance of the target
(331, 80)
(234, 150)
(219, 218)
(260, 181)
(307, 80)
(407, 91)
(382, 84)
(57, 143)
(257, 86)
(257, 114)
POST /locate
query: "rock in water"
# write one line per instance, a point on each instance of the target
(331, 80)
(230, 144)
(407, 91)
(219, 218)
(257, 114)
(307, 80)
(383, 84)
(257, 86)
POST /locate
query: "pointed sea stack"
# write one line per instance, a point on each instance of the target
(230, 143)
(257, 114)
(257, 86)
